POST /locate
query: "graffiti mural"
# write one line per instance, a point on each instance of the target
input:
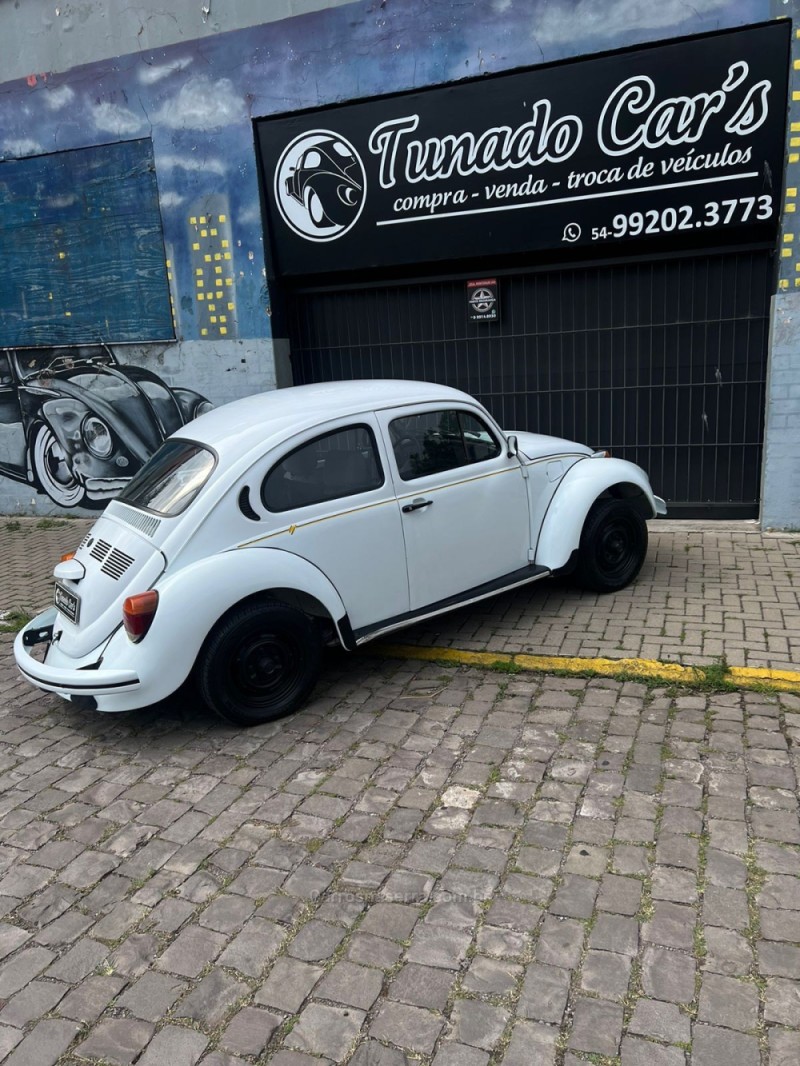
(77, 424)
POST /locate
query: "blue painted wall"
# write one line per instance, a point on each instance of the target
(196, 101)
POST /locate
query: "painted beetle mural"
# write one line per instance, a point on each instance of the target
(78, 425)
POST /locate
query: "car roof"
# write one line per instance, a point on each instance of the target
(267, 418)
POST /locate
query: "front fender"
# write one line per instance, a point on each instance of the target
(193, 599)
(584, 482)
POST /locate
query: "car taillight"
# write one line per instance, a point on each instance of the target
(138, 613)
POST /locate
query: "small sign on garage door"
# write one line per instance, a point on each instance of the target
(482, 302)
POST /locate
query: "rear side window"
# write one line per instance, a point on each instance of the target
(342, 463)
(171, 478)
(435, 441)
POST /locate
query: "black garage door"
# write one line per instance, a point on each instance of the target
(663, 362)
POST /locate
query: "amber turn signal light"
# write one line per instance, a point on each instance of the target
(138, 613)
(66, 558)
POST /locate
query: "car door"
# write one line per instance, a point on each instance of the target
(336, 496)
(463, 501)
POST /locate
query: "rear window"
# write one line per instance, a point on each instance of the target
(171, 478)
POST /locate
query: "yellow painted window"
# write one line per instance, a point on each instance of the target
(213, 232)
(230, 306)
(227, 255)
(203, 332)
(224, 244)
(223, 329)
(195, 247)
(203, 232)
(212, 307)
(193, 220)
(206, 257)
(223, 218)
(203, 220)
(213, 318)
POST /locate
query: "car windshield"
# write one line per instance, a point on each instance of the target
(171, 478)
(34, 363)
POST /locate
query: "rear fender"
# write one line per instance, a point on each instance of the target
(193, 599)
(587, 480)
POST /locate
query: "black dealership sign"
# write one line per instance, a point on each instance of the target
(666, 143)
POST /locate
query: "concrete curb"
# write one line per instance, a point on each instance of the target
(647, 669)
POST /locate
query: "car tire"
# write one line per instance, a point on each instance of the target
(260, 663)
(52, 471)
(613, 546)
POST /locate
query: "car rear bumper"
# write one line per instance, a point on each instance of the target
(661, 505)
(59, 676)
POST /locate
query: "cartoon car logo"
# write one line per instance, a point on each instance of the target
(320, 185)
(77, 425)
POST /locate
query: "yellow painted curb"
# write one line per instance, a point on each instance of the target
(651, 669)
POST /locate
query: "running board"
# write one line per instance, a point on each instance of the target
(480, 592)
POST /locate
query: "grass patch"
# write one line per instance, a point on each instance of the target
(12, 621)
(501, 666)
(51, 523)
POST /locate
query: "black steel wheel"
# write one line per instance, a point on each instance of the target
(613, 546)
(260, 663)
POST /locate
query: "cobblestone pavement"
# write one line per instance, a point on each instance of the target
(427, 865)
(706, 591)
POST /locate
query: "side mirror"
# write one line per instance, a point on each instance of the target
(513, 446)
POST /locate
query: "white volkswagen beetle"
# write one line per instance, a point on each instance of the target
(321, 513)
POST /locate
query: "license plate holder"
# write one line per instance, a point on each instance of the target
(67, 602)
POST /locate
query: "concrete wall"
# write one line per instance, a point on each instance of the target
(42, 35)
(780, 491)
(781, 483)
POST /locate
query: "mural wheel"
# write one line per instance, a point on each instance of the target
(52, 470)
(315, 208)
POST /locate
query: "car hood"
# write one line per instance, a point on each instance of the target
(540, 446)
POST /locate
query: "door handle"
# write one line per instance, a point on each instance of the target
(417, 505)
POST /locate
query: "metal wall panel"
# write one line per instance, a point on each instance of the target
(664, 362)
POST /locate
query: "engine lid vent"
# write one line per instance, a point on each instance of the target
(100, 550)
(116, 564)
(145, 523)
